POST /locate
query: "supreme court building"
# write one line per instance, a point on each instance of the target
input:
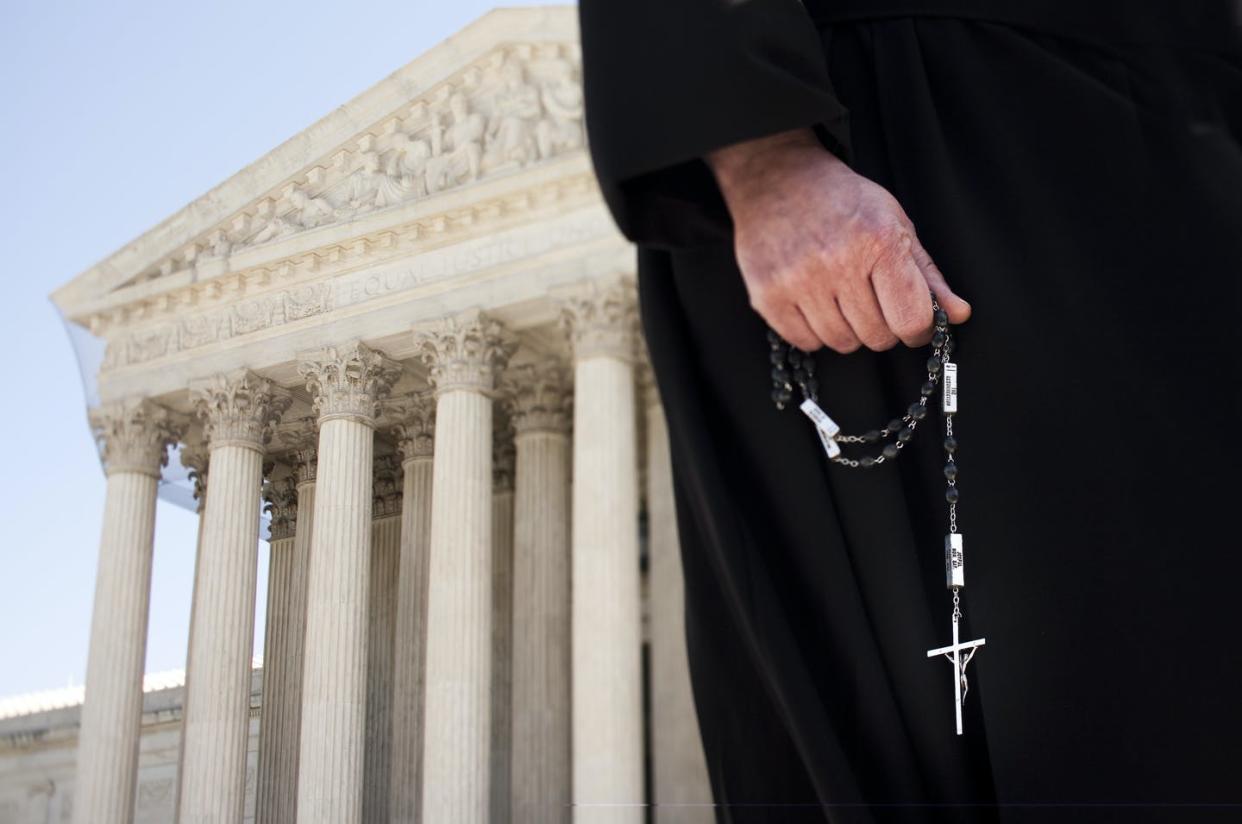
(402, 348)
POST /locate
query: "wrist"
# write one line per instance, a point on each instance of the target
(741, 163)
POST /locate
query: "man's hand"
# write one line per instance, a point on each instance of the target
(828, 256)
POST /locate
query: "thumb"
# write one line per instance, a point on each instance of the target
(955, 307)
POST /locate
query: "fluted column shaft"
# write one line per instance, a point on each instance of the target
(682, 790)
(415, 440)
(347, 383)
(217, 712)
(381, 639)
(502, 652)
(280, 722)
(239, 411)
(112, 714)
(463, 354)
(606, 615)
(541, 632)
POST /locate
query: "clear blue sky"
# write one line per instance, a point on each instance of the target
(114, 116)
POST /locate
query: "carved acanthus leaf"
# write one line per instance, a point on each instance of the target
(387, 486)
(411, 421)
(134, 435)
(300, 440)
(239, 408)
(348, 381)
(538, 396)
(464, 352)
(601, 319)
(281, 496)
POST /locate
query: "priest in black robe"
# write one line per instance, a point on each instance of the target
(1073, 170)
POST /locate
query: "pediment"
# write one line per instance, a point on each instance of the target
(443, 141)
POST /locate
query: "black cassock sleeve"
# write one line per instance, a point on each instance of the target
(669, 80)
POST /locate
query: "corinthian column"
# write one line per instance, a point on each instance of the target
(464, 353)
(238, 411)
(502, 622)
(347, 384)
(682, 790)
(291, 501)
(381, 637)
(607, 624)
(133, 438)
(414, 430)
(539, 406)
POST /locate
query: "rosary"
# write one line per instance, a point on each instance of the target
(942, 374)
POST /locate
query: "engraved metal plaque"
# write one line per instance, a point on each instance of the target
(830, 446)
(950, 387)
(954, 561)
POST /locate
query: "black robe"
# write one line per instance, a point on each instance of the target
(1075, 169)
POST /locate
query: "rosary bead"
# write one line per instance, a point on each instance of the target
(890, 451)
(781, 395)
(811, 385)
(871, 436)
(938, 339)
(940, 317)
(780, 374)
(905, 434)
(951, 494)
(950, 444)
(950, 471)
(777, 357)
(933, 365)
(795, 358)
(866, 460)
(893, 425)
(927, 389)
(808, 365)
(774, 339)
(917, 411)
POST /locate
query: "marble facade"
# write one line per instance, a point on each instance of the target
(410, 333)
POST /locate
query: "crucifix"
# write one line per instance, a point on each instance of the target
(953, 653)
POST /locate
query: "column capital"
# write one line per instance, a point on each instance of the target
(538, 396)
(196, 456)
(134, 435)
(281, 497)
(239, 408)
(504, 459)
(300, 438)
(348, 381)
(411, 421)
(388, 490)
(601, 318)
(464, 351)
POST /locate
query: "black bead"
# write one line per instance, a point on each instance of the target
(950, 471)
(780, 374)
(927, 388)
(866, 461)
(777, 357)
(781, 395)
(933, 365)
(811, 385)
(905, 434)
(773, 338)
(872, 436)
(917, 411)
(808, 365)
(795, 358)
(893, 425)
(940, 317)
(951, 494)
(938, 339)
(889, 451)
(950, 444)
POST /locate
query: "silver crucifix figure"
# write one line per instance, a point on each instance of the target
(953, 653)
